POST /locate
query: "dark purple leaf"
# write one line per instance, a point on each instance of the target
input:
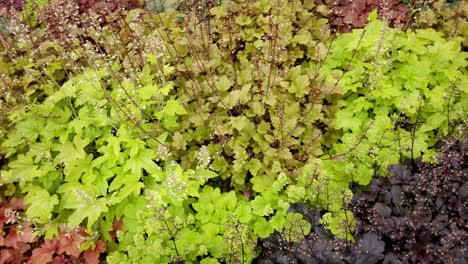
(382, 209)
(371, 250)
(391, 259)
(396, 192)
(463, 191)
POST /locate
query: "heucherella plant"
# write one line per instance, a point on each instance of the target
(77, 154)
(209, 224)
(402, 91)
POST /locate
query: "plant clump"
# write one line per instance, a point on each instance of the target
(444, 16)
(410, 217)
(20, 243)
(345, 15)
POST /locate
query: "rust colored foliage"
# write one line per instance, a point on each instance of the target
(344, 15)
(66, 248)
(14, 239)
(19, 245)
(8, 4)
(65, 18)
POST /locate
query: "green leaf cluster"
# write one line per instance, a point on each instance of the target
(448, 17)
(77, 154)
(401, 95)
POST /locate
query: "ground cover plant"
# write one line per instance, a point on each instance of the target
(412, 217)
(189, 132)
(443, 16)
(20, 245)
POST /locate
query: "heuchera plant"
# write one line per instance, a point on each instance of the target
(200, 135)
(408, 217)
(20, 245)
(345, 15)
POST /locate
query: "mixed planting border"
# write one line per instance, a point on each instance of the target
(232, 132)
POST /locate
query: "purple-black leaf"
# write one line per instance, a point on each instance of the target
(400, 172)
(382, 209)
(463, 191)
(371, 249)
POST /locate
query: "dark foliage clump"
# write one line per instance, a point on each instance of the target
(64, 18)
(411, 217)
(421, 217)
(344, 15)
(8, 4)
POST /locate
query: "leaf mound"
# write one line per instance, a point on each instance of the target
(415, 216)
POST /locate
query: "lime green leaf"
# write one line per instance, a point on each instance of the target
(209, 261)
(299, 86)
(147, 91)
(116, 66)
(303, 37)
(146, 78)
(173, 108)
(219, 11)
(346, 120)
(363, 174)
(254, 165)
(243, 20)
(262, 228)
(178, 140)
(223, 83)
(143, 160)
(41, 204)
(260, 206)
(22, 169)
(262, 183)
(244, 213)
(69, 151)
(77, 168)
(166, 89)
(228, 201)
(239, 122)
(210, 229)
(167, 69)
(372, 16)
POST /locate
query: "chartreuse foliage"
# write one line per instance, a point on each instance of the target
(31, 11)
(23, 77)
(260, 106)
(256, 89)
(448, 17)
(76, 156)
(204, 222)
(402, 93)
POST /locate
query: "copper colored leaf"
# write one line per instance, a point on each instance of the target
(6, 256)
(60, 260)
(117, 225)
(16, 204)
(91, 256)
(70, 243)
(41, 255)
(14, 256)
(16, 238)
